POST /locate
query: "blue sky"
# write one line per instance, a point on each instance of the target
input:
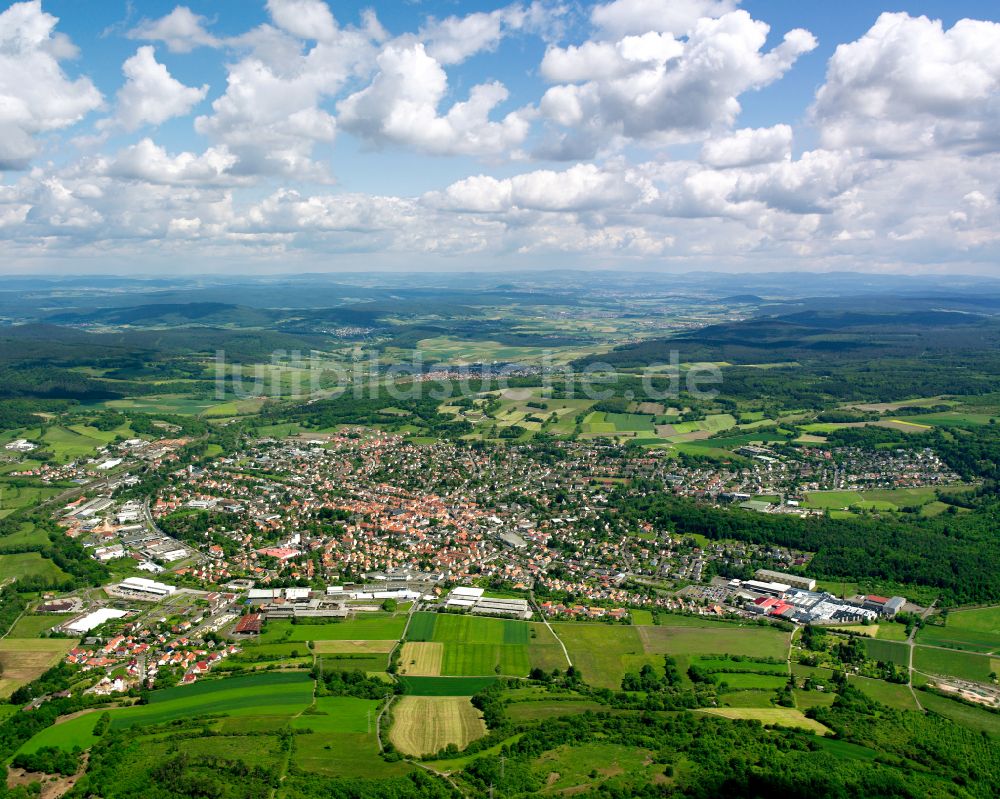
(651, 134)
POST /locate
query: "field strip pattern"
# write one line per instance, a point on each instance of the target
(426, 724)
(421, 658)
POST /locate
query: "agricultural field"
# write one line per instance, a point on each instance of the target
(474, 645)
(368, 626)
(769, 716)
(421, 658)
(599, 650)
(604, 652)
(276, 694)
(351, 647)
(949, 662)
(30, 626)
(427, 724)
(445, 686)
(369, 664)
(25, 659)
(887, 651)
(724, 638)
(29, 564)
(540, 709)
(977, 630)
(891, 694)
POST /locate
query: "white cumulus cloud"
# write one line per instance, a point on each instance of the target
(151, 95)
(908, 86)
(181, 31)
(36, 96)
(749, 146)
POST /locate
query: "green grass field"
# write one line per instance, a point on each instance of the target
(724, 638)
(891, 694)
(751, 681)
(34, 626)
(972, 717)
(368, 626)
(599, 650)
(338, 714)
(282, 694)
(474, 645)
(887, 651)
(27, 535)
(641, 617)
(29, 564)
(977, 630)
(964, 665)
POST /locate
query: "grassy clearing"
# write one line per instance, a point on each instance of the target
(344, 755)
(571, 770)
(891, 694)
(770, 717)
(641, 617)
(751, 681)
(426, 724)
(365, 663)
(26, 536)
(73, 732)
(539, 710)
(421, 658)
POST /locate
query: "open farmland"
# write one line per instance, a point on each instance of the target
(29, 564)
(425, 724)
(343, 647)
(367, 626)
(730, 639)
(473, 645)
(599, 650)
(278, 694)
(421, 658)
(948, 662)
(24, 660)
(977, 630)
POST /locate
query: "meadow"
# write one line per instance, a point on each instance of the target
(946, 662)
(887, 651)
(29, 564)
(891, 694)
(769, 717)
(368, 626)
(445, 686)
(976, 630)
